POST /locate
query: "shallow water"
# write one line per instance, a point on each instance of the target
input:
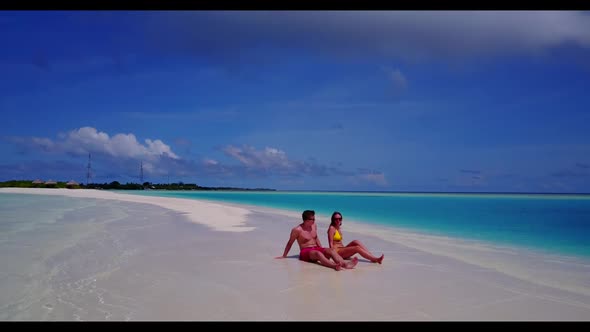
(54, 249)
(558, 224)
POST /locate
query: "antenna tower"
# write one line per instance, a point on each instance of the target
(88, 171)
(141, 173)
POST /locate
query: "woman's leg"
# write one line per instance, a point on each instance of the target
(349, 251)
(358, 243)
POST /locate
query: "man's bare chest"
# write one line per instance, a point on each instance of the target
(308, 235)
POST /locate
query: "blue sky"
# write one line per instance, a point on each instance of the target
(303, 100)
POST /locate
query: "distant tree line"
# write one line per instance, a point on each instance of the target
(30, 184)
(116, 185)
(193, 186)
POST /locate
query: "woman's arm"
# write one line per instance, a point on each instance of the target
(331, 232)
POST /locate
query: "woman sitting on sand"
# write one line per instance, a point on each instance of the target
(354, 247)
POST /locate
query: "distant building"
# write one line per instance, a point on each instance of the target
(37, 183)
(50, 184)
(72, 184)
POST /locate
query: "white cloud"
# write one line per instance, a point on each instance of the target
(398, 79)
(377, 178)
(44, 144)
(158, 148)
(211, 162)
(88, 139)
(120, 153)
(121, 156)
(272, 161)
(412, 35)
(267, 159)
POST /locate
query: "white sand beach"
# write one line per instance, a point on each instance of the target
(177, 259)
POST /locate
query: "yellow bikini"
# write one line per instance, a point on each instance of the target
(337, 236)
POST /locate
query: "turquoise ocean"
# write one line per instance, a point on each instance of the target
(550, 223)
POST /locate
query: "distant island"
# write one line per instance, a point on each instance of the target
(115, 185)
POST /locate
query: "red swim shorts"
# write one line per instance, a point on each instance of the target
(304, 254)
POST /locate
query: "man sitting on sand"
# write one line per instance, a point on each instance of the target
(311, 249)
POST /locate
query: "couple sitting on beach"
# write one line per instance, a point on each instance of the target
(312, 251)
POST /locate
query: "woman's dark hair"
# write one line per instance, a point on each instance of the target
(332, 218)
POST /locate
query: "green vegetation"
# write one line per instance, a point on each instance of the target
(192, 186)
(115, 185)
(30, 184)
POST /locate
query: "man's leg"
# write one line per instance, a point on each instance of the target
(331, 253)
(318, 256)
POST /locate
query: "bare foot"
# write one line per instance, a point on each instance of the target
(380, 259)
(351, 264)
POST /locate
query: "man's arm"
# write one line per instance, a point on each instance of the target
(292, 238)
(317, 238)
